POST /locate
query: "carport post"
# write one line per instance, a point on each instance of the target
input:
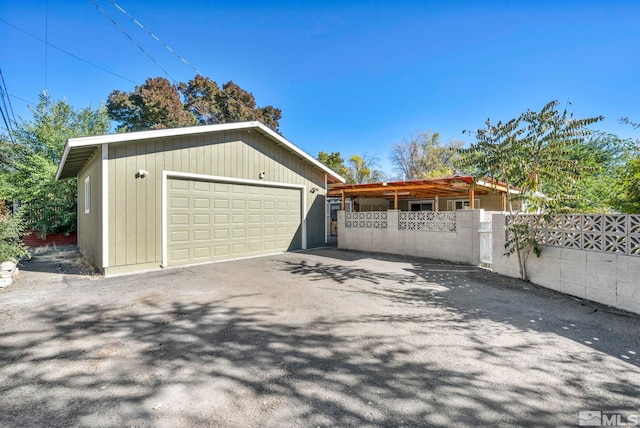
(342, 194)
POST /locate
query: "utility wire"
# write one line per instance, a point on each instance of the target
(7, 92)
(131, 39)
(22, 99)
(167, 47)
(241, 104)
(3, 97)
(6, 125)
(66, 52)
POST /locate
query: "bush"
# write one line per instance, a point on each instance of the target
(11, 245)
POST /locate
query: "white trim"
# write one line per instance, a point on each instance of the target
(105, 206)
(173, 132)
(214, 178)
(326, 207)
(451, 203)
(65, 153)
(87, 194)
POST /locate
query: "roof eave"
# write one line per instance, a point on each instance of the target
(332, 177)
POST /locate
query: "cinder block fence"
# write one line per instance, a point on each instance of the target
(447, 235)
(596, 257)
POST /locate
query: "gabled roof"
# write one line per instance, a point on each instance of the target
(78, 151)
(453, 186)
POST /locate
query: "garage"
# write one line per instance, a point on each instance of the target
(174, 197)
(215, 220)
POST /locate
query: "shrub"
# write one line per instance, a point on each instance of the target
(11, 245)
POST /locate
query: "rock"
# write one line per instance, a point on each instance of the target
(5, 282)
(6, 273)
(8, 265)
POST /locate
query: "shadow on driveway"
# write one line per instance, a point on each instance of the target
(325, 338)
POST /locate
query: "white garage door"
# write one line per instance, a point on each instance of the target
(215, 221)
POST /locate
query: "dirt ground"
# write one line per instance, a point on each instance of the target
(320, 338)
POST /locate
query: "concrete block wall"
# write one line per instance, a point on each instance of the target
(461, 246)
(611, 279)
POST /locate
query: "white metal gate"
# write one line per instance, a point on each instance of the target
(485, 230)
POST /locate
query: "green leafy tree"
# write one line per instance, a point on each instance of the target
(629, 177)
(362, 169)
(424, 156)
(530, 154)
(335, 162)
(155, 104)
(603, 159)
(630, 183)
(50, 205)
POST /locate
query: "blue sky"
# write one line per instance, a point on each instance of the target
(352, 77)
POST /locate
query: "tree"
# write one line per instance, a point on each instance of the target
(629, 177)
(424, 156)
(239, 105)
(40, 143)
(154, 105)
(630, 183)
(335, 162)
(159, 104)
(530, 153)
(603, 158)
(361, 169)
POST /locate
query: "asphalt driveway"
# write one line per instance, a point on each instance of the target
(322, 338)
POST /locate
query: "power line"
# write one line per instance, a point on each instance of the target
(6, 125)
(7, 93)
(131, 39)
(22, 99)
(167, 47)
(241, 104)
(67, 52)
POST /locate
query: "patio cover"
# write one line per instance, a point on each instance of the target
(453, 186)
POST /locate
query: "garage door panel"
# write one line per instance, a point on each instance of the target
(201, 186)
(221, 218)
(179, 185)
(202, 252)
(180, 236)
(221, 234)
(220, 187)
(239, 249)
(202, 219)
(202, 203)
(179, 202)
(216, 221)
(239, 204)
(221, 250)
(179, 219)
(202, 235)
(238, 233)
(220, 203)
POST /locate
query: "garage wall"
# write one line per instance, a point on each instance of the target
(90, 225)
(135, 211)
